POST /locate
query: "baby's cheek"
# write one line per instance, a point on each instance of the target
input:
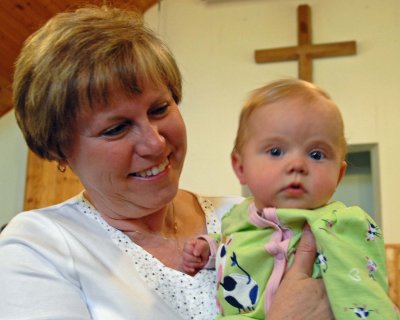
(325, 188)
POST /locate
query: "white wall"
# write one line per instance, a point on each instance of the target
(214, 43)
(12, 168)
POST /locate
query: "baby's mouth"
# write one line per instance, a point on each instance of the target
(152, 171)
(294, 187)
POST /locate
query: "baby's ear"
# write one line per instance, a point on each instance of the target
(237, 166)
(342, 171)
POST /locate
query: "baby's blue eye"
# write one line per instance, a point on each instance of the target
(275, 152)
(317, 155)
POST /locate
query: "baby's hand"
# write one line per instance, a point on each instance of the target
(195, 255)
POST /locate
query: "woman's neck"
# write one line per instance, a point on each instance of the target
(162, 221)
(163, 233)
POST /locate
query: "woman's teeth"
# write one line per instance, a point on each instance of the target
(153, 171)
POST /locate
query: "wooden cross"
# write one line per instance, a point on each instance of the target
(305, 51)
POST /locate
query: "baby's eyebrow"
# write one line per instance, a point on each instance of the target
(274, 139)
(320, 142)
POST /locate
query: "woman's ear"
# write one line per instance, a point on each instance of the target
(63, 162)
(342, 171)
(237, 165)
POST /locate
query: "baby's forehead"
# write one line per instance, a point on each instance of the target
(299, 114)
(318, 107)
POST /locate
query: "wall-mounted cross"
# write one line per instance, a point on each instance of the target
(305, 51)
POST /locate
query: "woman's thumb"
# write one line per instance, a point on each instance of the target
(305, 253)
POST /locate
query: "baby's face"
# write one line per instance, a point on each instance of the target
(293, 154)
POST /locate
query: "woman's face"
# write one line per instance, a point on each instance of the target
(129, 154)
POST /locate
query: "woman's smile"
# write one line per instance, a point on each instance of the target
(153, 171)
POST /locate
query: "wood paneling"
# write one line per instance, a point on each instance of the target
(46, 185)
(393, 269)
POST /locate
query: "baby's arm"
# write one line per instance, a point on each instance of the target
(195, 255)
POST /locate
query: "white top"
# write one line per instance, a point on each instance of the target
(66, 262)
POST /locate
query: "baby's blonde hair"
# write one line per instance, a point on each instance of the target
(279, 90)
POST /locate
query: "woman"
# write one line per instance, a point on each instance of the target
(98, 92)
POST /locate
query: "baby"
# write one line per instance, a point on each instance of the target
(290, 151)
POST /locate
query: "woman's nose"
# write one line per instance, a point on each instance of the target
(150, 141)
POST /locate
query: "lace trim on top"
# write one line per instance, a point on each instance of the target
(192, 297)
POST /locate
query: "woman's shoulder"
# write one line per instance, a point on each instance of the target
(220, 204)
(52, 218)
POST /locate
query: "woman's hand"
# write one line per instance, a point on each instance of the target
(300, 297)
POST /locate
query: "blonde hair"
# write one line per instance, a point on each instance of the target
(76, 60)
(279, 90)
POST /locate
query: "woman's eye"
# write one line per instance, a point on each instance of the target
(317, 155)
(115, 130)
(159, 111)
(275, 152)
